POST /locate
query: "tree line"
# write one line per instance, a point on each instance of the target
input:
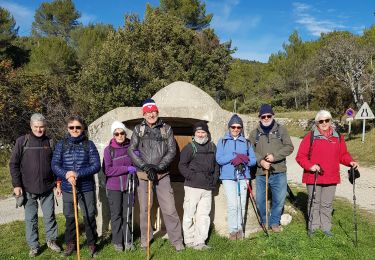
(65, 67)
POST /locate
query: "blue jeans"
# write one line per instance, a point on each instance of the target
(47, 204)
(278, 185)
(234, 217)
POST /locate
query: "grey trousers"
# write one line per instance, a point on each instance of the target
(164, 193)
(47, 204)
(321, 216)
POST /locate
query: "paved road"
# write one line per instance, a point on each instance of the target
(365, 189)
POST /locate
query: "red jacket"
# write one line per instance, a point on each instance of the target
(328, 153)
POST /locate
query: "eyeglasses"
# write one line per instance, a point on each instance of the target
(117, 134)
(324, 121)
(151, 113)
(78, 127)
(266, 116)
(236, 127)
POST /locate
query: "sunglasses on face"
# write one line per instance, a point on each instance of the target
(324, 121)
(266, 116)
(118, 134)
(236, 127)
(78, 127)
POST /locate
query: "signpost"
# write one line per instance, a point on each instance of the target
(350, 113)
(364, 113)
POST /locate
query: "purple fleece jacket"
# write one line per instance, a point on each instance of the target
(116, 168)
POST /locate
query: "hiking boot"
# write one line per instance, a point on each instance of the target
(33, 252)
(233, 235)
(53, 246)
(239, 234)
(92, 250)
(190, 245)
(179, 247)
(328, 233)
(202, 247)
(118, 247)
(276, 228)
(129, 247)
(70, 248)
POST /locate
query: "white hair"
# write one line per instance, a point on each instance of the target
(36, 117)
(323, 114)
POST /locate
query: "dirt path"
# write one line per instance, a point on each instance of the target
(365, 185)
(365, 189)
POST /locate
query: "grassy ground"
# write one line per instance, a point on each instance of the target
(292, 243)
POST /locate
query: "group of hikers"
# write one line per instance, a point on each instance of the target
(38, 168)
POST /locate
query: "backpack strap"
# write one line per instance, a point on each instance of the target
(312, 141)
(163, 131)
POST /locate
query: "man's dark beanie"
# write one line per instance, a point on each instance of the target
(201, 125)
(265, 109)
(235, 119)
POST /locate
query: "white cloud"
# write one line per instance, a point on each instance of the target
(85, 18)
(224, 21)
(23, 16)
(314, 25)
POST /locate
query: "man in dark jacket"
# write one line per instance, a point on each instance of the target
(198, 166)
(155, 142)
(32, 179)
(272, 145)
(75, 161)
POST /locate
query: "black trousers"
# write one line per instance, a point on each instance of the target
(87, 205)
(120, 204)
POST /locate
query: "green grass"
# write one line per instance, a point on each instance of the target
(363, 152)
(5, 182)
(292, 243)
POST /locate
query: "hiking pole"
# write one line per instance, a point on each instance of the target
(266, 171)
(312, 200)
(239, 202)
(133, 201)
(255, 207)
(76, 219)
(354, 209)
(148, 217)
(128, 186)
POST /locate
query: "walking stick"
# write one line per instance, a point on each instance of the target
(128, 185)
(255, 207)
(239, 202)
(133, 201)
(266, 171)
(148, 218)
(354, 209)
(76, 219)
(312, 200)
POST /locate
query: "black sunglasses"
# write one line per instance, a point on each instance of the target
(235, 127)
(324, 121)
(117, 134)
(266, 116)
(78, 127)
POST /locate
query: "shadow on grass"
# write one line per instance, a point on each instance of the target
(301, 204)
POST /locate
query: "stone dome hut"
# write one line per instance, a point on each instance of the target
(180, 104)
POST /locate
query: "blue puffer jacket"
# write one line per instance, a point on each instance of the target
(227, 149)
(76, 154)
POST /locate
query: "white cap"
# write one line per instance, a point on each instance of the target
(115, 125)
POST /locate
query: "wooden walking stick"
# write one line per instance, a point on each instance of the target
(148, 218)
(76, 219)
(266, 172)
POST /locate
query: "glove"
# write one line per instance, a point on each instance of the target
(244, 158)
(152, 174)
(147, 167)
(132, 169)
(236, 161)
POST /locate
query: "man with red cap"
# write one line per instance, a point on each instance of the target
(155, 142)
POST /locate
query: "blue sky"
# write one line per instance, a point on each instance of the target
(256, 28)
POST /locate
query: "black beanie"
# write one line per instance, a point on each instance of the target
(235, 119)
(265, 109)
(200, 125)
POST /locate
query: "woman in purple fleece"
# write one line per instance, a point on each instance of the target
(117, 167)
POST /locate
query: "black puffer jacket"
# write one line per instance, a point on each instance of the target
(32, 170)
(199, 167)
(152, 147)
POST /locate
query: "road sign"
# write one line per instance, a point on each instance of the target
(350, 112)
(364, 112)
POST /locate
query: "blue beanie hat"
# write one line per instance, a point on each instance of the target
(235, 119)
(265, 109)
